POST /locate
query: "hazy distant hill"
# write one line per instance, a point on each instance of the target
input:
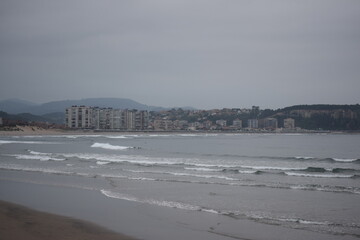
(15, 106)
(320, 116)
(54, 112)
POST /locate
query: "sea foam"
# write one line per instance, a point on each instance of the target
(24, 142)
(36, 157)
(346, 160)
(109, 146)
(318, 175)
(161, 203)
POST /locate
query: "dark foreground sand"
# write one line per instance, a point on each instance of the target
(18, 222)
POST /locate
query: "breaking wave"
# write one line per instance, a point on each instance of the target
(345, 160)
(36, 157)
(25, 142)
(257, 217)
(109, 146)
(162, 203)
(318, 175)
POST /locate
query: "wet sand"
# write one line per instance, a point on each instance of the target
(54, 195)
(18, 222)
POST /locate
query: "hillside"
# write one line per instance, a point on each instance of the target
(15, 106)
(57, 118)
(327, 117)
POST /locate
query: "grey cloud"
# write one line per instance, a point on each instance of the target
(202, 53)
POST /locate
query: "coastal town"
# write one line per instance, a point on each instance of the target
(85, 117)
(300, 118)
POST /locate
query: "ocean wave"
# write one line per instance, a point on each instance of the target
(116, 137)
(345, 160)
(102, 162)
(203, 169)
(161, 203)
(324, 188)
(294, 174)
(201, 176)
(24, 142)
(109, 146)
(185, 174)
(80, 136)
(39, 153)
(15, 167)
(36, 157)
(284, 158)
(132, 159)
(265, 218)
(304, 158)
(263, 168)
(268, 219)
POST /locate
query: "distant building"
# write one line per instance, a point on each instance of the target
(1, 121)
(78, 117)
(221, 123)
(237, 123)
(270, 123)
(289, 123)
(105, 118)
(253, 123)
(163, 124)
(255, 111)
(180, 124)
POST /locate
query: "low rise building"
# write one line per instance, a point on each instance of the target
(270, 123)
(289, 123)
(221, 123)
(253, 123)
(237, 123)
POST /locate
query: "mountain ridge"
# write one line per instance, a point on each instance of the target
(17, 106)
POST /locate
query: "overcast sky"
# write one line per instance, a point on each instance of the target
(201, 53)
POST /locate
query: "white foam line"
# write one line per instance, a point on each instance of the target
(318, 175)
(36, 157)
(161, 203)
(39, 153)
(102, 163)
(204, 169)
(109, 146)
(344, 159)
(24, 142)
(273, 168)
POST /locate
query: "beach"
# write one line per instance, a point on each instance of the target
(134, 219)
(18, 222)
(34, 130)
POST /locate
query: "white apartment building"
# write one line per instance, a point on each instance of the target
(79, 117)
(82, 117)
(253, 123)
(237, 123)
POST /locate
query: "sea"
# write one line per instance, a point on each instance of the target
(309, 182)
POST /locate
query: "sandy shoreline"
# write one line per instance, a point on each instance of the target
(63, 195)
(33, 131)
(18, 222)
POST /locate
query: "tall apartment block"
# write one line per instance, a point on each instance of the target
(79, 117)
(82, 117)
